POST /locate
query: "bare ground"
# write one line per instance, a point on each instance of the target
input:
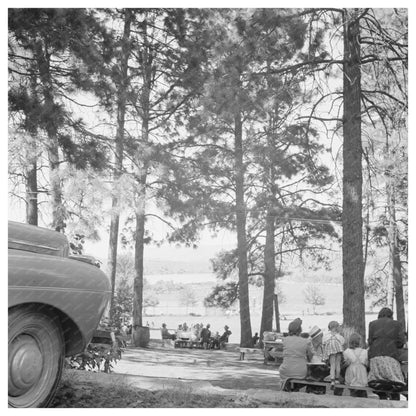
(165, 377)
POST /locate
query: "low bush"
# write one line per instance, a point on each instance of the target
(99, 357)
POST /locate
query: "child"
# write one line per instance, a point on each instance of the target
(356, 358)
(333, 346)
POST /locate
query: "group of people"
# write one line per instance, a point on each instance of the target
(380, 361)
(199, 332)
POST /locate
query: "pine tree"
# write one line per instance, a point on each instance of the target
(51, 53)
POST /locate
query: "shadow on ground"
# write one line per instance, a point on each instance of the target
(167, 377)
(222, 368)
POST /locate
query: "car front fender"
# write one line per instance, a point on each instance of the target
(77, 289)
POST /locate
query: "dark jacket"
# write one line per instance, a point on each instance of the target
(385, 336)
(205, 335)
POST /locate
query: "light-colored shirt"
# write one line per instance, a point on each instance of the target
(297, 351)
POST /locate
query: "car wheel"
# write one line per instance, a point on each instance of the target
(36, 356)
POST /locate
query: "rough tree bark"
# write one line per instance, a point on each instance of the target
(245, 323)
(142, 166)
(395, 295)
(31, 185)
(269, 275)
(118, 162)
(352, 246)
(42, 57)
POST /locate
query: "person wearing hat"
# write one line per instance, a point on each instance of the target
(318, 369)
(297, 351)
(224, 337)
(316, 336)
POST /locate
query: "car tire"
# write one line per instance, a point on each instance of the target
(36, 356)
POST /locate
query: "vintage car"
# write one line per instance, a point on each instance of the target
(55, 304)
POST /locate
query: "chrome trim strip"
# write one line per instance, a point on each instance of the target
(59, 289)
(26, 243)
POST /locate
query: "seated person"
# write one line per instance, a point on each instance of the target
(215, 341)
(255, 339)
(224, 337)
(385, 339)
(356, 359)
(166, 334)
(297, 351)
(316, 336)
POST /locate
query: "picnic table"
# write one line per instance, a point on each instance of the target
(273, 348)
(187, 339)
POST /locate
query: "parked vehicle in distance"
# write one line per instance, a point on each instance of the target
(55, 304)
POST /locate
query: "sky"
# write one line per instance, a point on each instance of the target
(207, 248)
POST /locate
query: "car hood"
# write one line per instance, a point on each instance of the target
(37, 240)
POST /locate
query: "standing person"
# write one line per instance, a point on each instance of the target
(385, 337)
(205, 336)
(297, 351)
(356, 359)
(333, 346)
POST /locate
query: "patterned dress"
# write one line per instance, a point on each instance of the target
(385, 368)
(332, 344)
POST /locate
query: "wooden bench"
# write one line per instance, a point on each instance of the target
(186, 343)
(244, 350)
(294, 384)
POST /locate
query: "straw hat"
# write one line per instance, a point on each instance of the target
(315, 332)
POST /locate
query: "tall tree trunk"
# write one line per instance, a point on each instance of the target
(391, 232)
(139, 263)
(245, 323)
(352, 244)
(277, 312)
(395, 280)
(269, 275)
(58, 211)
(31, 185)
(112, 253)
(118, 163)
(142, 165)
(398, 287)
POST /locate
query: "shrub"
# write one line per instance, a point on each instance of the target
(96, 357)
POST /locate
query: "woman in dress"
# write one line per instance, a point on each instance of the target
(385, 337)
(297, 351)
